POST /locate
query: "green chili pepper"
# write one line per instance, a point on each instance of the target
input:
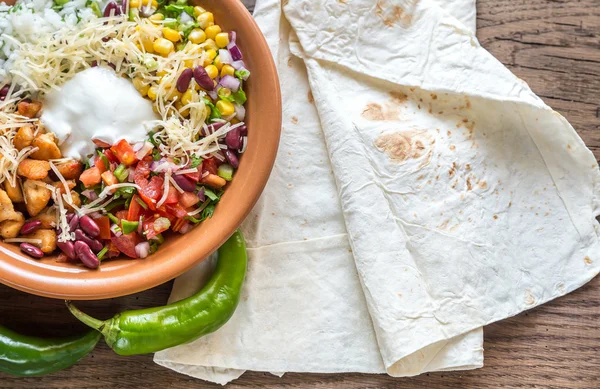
(154, 329)
(129, 226)
(30, 356)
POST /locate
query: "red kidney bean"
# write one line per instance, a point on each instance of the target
(184, 183)
(183, 82)
(211, 128)
(89, 226)
(124, 5)
(68, 248)
(95, 245)
(233, 139)
(4, 90)
(203, 79)
(73, 221)
(30, 227)
(232, 159)
(31, 250)
(85, 254)
(110, 7)
(243, 130)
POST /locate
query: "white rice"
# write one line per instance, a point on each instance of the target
(32, 20)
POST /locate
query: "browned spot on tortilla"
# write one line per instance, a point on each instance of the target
(443, 225)
(419, 106)
(458, 125)
(437, 177)
(421, 177)
(468, 102)
(311, 99)
(495, 217)
(377, 112)
(289, 62)
(468, 166)
(441, 113)
(398, 97)
(412, 89)
(449, 133)
(452, 147)
(452, 170)
(343, 1)
(529, 299)
(294, 120)
(509, 204)
(587, 260)
(433, 96)
(569, 147)
(391, 15)
(469, 185)
(465, 120)
(470, 126)
(401, 146)
(482, 184)
(430, 109)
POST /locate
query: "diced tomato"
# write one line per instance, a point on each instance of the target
(195, 176)
(135, 209)
(90, 177)
(150, 191)
(124, 152)
(187, 199)
(209, 165)
(109, 178)
(100, 164)
(103, 223)
(142, 169)
(176, 210)
(126, 243)
(121, 215)
(113, 251)
(112, 158)
(173, 196)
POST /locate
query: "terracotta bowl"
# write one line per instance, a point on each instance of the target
(179, 253)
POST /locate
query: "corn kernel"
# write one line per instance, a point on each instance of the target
(161, 73)
(227, 70)
(154, 4)
(170, 34)
(212, 71)
(212, 31)
(222, 39)
(226, 92)
(157, 17)
(146, 2)
(147, 43)
(198, 11)
(210, 56)
(217, 62)
(152, 91)
(134, 3)
(206, 19)
(188, 96)
(234, 121)
(225, 107)
(163, 47)
(210, 44)
(197, 36)
(188, 63)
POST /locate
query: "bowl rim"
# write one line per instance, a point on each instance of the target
(25, 275)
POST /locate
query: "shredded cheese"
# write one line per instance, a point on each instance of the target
(23, 240)
(165, 190)
(197, 211)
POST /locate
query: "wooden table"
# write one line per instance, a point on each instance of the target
(552, 44)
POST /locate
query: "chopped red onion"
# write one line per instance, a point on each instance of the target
(185, 228)
(236, 54)
(90, 194)
(131, 176)
(142, 250)
(240, 112)
(184, 18)
(237, 65)
(225, 57)
(232, 36)
(213, 94)
(142, 149)
(112, 9)
(163, 166)
(185, 183)
(147, 11)
(230, 82)
(116, 230)
(201, 195)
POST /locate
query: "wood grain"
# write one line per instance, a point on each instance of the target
(552, 44)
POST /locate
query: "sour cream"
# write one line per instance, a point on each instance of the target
(96, 104)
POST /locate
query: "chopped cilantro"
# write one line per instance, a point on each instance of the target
(240, 96)
(195, 161)
(210, 194)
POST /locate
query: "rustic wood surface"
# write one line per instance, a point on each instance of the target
(552, 44)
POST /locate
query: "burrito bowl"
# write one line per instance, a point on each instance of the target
(135, 140)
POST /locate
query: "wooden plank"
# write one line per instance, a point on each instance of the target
(554, 46)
